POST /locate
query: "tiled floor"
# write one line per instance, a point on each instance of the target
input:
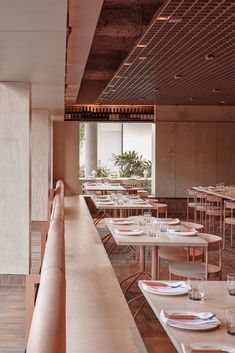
(12, 307)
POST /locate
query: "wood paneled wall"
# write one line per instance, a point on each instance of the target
(66, 155)
(193, 153)
(14, 178)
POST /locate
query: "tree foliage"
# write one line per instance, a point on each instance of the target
(130, 163)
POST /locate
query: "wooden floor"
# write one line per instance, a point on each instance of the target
(12, 307)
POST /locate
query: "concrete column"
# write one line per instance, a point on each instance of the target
(15, 178)
(40, 134)
(90, 148)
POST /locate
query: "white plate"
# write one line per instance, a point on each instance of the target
(184, 233)
(166, 290)
(136, 231)
(167, 220)
(121, 221)
(195, 325)
(208, 345)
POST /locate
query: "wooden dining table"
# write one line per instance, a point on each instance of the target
(164, 239)
(216, 301)
(227, 193)
(103, 187)
(132, 205)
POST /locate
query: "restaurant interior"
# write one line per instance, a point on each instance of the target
(117, 176)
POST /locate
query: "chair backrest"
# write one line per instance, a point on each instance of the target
(214, 241)
(192, 225)
(214, 244)
(214, 202)
(229, 204)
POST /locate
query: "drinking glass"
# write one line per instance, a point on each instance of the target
(153, 229)
(196, 288)
(163, 227)
(230, 319)
(231, 283)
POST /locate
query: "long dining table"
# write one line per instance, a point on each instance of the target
(134, 204)
(226, 192)
(164, 239)
(216, 301)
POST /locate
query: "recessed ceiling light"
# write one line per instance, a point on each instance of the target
(209, 56)
(178, 76)
(141, 45)
(222, 102)
(142, 57)
(118, 76)
(193, 98)
(216, 90)
(127, 64)
(163, 18)
(156, 90)
(113, 90)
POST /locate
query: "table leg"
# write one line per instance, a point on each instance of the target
(154, 261)
(142, 258)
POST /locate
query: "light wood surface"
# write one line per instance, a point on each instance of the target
(190, 152)
(15, 178)
(103, 187)
(132, 205)
(164, 238)
(216, 301)
(98, 317)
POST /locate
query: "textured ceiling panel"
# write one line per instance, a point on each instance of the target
(185, 57)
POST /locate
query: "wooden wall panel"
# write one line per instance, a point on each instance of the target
(205, 154)
(165, 159)
(14, 178)
(40, 163)
(71, 158)
(185, 175)
(226, 153)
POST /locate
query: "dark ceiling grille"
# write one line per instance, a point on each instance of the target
(186, 57)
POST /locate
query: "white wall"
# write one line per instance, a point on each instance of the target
(15, 178)
(137, 137)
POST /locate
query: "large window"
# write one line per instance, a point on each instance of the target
(116, 138)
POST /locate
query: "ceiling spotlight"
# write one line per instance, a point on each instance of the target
(118, 76)
(193, 98)
(141, 46)
(127, 64)
(209, 56)
(156, 90)
(178, 76)
(142, 57)
(163, 18)
(216, 90)
(113, 90)
(222, 102)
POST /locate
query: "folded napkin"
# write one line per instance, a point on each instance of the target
(134, 231)
(187, 318)
(162, 287)
(198, 349)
